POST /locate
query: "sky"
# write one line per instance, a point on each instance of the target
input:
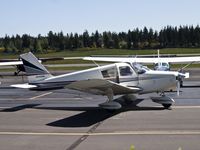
(41, 16)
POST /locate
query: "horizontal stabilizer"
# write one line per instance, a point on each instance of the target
(187, 75)
(13, 63)
(24, 86)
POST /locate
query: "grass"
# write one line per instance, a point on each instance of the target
(89, 52)
(50, 69)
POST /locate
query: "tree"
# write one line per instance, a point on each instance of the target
(26, 42)
(106, 40)
(86, 39)
(37, 46)
(97, 39)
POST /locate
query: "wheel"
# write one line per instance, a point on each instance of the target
(181, 83)
(166, 106)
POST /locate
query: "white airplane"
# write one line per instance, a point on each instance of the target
(160, 63)
(109, 80)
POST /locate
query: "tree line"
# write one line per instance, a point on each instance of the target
(168, 37)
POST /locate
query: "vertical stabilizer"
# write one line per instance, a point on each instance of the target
(35, 70)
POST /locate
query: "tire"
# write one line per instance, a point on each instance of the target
(181, 83)
(166, 106)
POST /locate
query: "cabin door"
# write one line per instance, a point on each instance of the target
(127, 76)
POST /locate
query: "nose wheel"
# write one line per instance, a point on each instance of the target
(164, 100)
(166, 106)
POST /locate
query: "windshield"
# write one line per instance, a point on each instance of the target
(140, 68)
(165, 64)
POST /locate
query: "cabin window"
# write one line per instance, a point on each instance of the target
(109, 73)
(125, 71)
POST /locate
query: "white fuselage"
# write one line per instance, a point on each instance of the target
(121, 73)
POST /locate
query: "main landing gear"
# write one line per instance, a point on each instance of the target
(110, 105)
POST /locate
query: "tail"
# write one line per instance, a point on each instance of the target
(35, 70)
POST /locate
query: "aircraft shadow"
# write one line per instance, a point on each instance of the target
(191, 86)
(91, 117)
(18, 108)
(84, 119)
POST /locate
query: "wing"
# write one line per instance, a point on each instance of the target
(100, 86)
(13, 63)
(146, 60)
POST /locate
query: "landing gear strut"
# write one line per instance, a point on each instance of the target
(110, 105)
(17, 72)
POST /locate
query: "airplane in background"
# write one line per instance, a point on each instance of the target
(19, 64)
(160, 63)
(110, 80)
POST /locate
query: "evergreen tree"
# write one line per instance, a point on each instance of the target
(86, 39)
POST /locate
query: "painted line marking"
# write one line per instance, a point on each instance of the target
(4, 107)
(175, 107)
(53, 98)
(105, 133)
(186, 107)
(32, 98)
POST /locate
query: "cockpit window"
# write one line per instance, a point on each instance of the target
(125, 71)
(164, 64)
(156, 65)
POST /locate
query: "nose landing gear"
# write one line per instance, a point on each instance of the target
(163, 100)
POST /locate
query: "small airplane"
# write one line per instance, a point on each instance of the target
(19, 64)
(160, 63)
(110, 80)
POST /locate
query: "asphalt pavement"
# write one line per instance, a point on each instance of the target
(66, 119)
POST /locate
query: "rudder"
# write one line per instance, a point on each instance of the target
(35, 70)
